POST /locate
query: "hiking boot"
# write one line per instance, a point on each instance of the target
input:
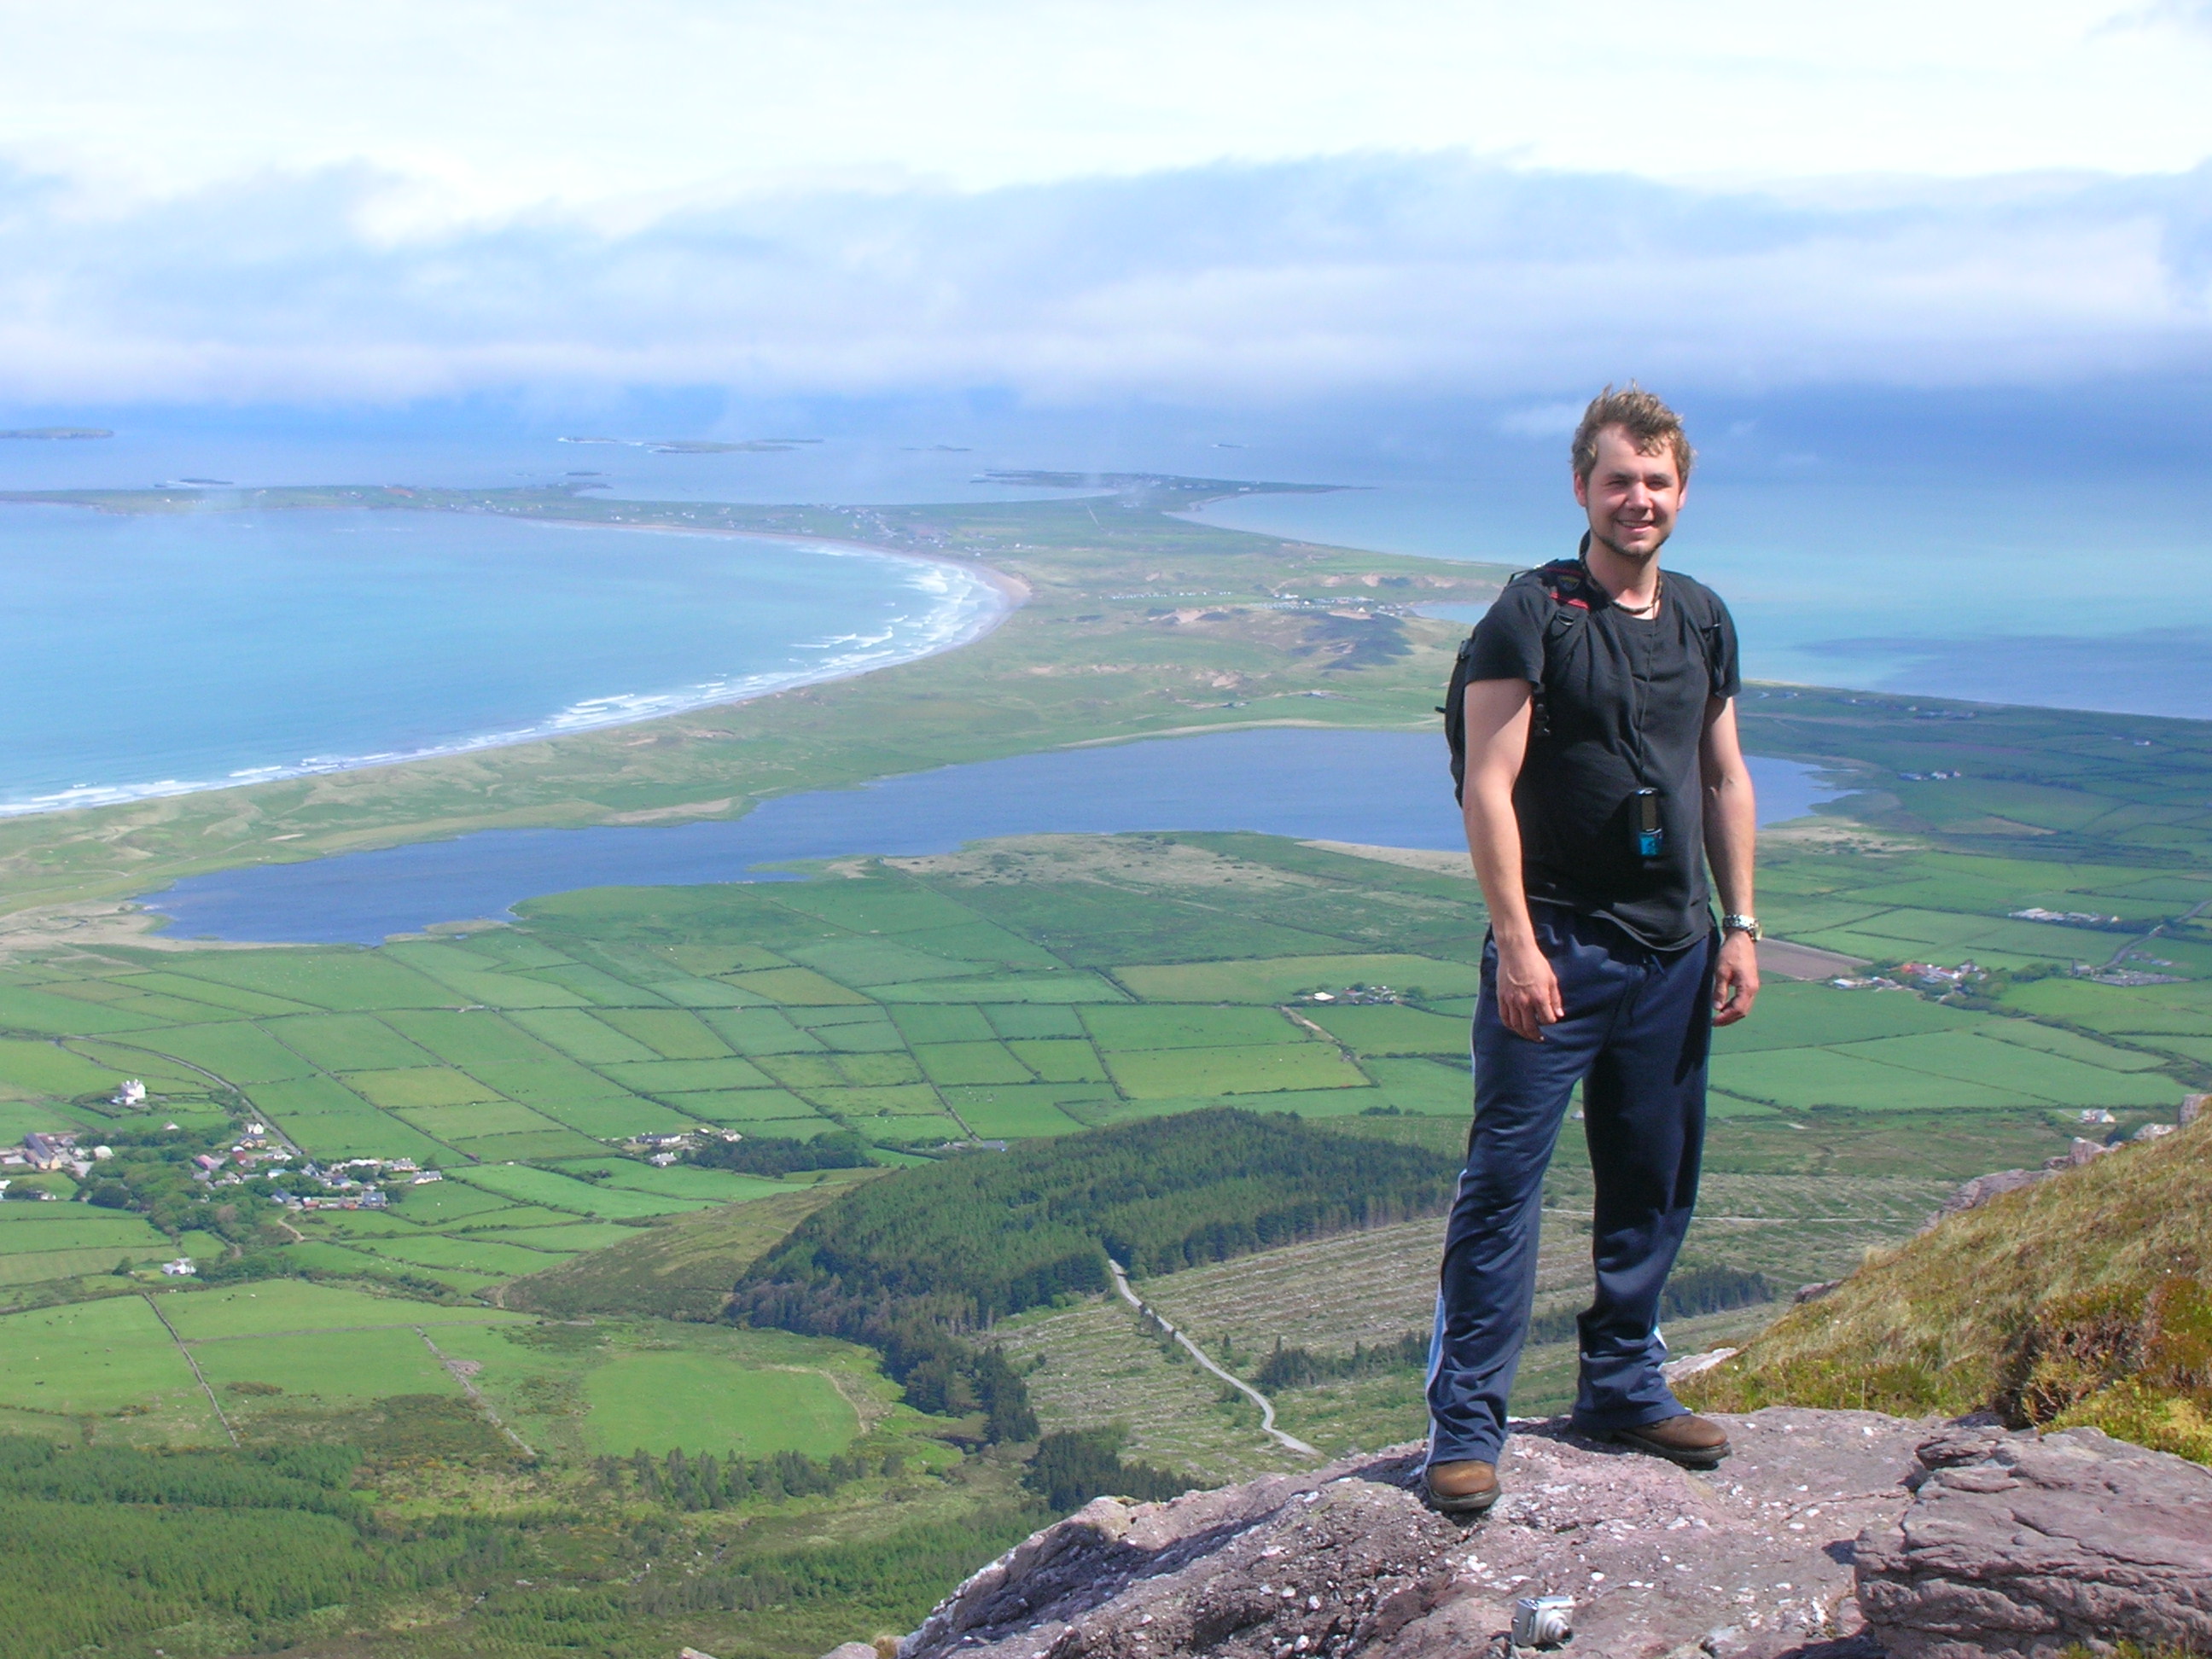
(1690, 1440)
(1461, 1488)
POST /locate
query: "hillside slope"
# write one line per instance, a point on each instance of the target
(2086, 1298)
(682, 1268)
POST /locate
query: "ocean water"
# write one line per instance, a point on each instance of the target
(2089, 590)
(158, 654)
(1378, 788)
(1907, 547)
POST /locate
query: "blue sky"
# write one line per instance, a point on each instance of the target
(1075, 203)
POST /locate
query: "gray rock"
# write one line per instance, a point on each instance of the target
(1750, 1561)
(1982, 1188)
(2192, 1108)
(1696, 1364)
(852, 1651)
(2079, 1151)
(2017, 1544)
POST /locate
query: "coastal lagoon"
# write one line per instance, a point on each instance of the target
(1378, 788)
(157, 654)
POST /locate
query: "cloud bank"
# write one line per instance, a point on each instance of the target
(1387, 274)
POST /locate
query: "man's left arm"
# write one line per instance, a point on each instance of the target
(1731, 834)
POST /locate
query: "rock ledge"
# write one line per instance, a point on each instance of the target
(2026, 1544)
(1750, 1562)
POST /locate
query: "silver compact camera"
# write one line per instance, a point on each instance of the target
(1543, 1622)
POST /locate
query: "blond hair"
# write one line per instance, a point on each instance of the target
(1650, 424)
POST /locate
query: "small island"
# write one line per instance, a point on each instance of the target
(57, 432)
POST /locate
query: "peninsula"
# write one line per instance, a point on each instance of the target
(473, 1292)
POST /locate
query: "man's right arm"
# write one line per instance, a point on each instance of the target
(1497, 712)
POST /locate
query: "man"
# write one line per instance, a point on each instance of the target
(1602, 774)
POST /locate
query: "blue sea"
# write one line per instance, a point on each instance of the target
(155, 655)
(1916, 547)
(2090, 592)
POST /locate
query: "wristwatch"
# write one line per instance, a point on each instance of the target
(1734, 924)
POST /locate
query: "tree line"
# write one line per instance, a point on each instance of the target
(921, 1263)
(779, 1155)
(1073, 1465)
(704, 1481)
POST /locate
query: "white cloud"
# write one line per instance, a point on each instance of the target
(1428, 274)
(1541, 421)
(493, 104)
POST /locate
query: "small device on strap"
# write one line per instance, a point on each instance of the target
(1650, 834)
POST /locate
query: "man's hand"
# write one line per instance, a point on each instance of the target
(1527, 992)
(1736, 981)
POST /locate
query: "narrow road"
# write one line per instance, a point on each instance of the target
(197, 1375)
(1267, 1406)
(2121, 954)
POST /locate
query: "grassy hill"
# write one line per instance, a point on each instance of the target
(682, 1269)
(2084, 1299)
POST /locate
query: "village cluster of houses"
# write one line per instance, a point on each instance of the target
(1361, 994)
(664, 1150)
(353, 1183)
(50, 1149)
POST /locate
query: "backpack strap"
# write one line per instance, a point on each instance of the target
(1565, 581)
(1703, 612)
(1568, 584)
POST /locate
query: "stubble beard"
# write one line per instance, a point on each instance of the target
(1649, 556)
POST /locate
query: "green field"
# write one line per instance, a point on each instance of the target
(421, 1085)
(509, 1101)
(658, 1401)
(1284, 978)
(1392, 1030)
(1197, 1072)
(323, 1368)
(1123, 1029)
(559, 1191)
(1021, 990)
(89, 1359)
(290, 1305)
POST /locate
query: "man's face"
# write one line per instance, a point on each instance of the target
(1631, 497)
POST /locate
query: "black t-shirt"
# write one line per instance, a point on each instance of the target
(1621, 707)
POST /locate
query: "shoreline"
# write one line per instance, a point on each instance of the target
(973, 622)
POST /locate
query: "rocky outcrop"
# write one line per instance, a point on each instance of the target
(1973, 1194)
(2016, 1544)
(1826, 1535)
(1752, 1561)
(1980, 1190)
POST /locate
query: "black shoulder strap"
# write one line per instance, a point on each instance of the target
(1703, 610)
(1563, 581)
(1568, 584)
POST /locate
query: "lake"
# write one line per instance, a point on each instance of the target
(1380, 788)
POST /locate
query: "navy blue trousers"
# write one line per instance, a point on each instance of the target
(1636, 1032)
